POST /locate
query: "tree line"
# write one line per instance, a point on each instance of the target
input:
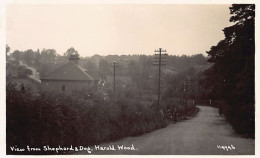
(231, 79)
(139, 68)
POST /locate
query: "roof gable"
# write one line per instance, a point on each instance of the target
(69, 71)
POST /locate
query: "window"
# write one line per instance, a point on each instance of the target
(63, 87)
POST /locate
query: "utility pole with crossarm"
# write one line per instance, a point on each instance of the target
(159, 62)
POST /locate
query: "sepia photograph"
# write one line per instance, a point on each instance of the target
(129, 79)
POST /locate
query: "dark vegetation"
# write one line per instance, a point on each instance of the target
(62, 120)
(91, 118)
(131, 65)
(231, 80)
(19, 70)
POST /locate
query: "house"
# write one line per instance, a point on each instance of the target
(68, 78)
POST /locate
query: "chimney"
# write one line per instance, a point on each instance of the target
(74, 58)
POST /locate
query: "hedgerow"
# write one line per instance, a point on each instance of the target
(73, 120)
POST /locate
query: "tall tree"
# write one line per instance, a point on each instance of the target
(28, 57)
(48, 56)
(231, 78)
(37, 58)
(7, 49)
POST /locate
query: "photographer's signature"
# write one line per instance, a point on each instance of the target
(226, 147)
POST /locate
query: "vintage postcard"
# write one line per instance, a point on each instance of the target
(128, 78)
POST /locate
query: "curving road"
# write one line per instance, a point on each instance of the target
(205, 134)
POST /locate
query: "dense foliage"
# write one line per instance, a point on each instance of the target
(231, 79)
(81, 120)
(185, 85)
(139, 67)
(85, 120)
(135, 74)
(62, 120)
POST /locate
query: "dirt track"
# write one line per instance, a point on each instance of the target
(198, 136)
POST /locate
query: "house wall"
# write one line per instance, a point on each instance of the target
(70, 86)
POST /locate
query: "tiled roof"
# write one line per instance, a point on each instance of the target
(69, 71)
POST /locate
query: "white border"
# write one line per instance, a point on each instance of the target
(127, 1)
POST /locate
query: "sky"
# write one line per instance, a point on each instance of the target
(116, 28)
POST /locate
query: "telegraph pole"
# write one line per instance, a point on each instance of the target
(185, 90)
(114, 64)
(114, 78)
(159, 80)
(184, 96)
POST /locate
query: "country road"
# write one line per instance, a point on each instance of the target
(197, 136)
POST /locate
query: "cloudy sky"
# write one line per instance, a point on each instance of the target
(116, 28)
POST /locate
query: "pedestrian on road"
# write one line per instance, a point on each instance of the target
(175, 114)
(220, 110)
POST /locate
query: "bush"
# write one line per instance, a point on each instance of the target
(175, 109)
(63, 120)
(242, 118)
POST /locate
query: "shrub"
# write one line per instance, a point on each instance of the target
(174, 108)
(63, 120)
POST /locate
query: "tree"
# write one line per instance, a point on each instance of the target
(104, 66)
(16, 55)
(134, 71)
(46, 60)
(48, 56)
(231, 78)
(37, 58)
(71, 51)
(28, 57)
(7, 49)
(89, 65)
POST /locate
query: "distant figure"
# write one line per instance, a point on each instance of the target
(220, 110)
(175, 114)
(22, 87)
